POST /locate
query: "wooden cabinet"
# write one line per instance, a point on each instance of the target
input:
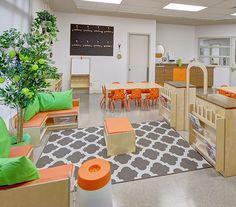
(165, 73)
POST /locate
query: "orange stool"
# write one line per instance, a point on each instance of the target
(94, 184)
(179, 74)
(129, 91)
(119, 135)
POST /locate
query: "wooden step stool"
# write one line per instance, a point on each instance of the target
(119, 135)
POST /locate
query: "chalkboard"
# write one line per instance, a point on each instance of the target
(91, 40)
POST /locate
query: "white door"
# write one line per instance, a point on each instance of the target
(138, 58)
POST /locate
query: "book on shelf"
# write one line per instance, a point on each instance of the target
(196, 123)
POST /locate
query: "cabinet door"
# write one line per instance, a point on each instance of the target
(233, 52)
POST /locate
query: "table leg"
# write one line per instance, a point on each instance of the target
(106, 100)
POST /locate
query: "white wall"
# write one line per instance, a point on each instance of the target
(16, 14)
(103, 69)
(179, 39)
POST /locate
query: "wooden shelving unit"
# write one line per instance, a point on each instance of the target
(210, 141)
(80, 81)
(167, 106)
(179, 88)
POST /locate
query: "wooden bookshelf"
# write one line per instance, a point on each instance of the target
(80, 81)
(55, 84)
(168, 110)
(210, 141)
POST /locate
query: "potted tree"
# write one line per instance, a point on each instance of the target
(25, 66)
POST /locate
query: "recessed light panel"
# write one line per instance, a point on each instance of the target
(234, 14)
(184, 7)
(106, 1)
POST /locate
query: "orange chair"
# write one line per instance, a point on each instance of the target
(118, 95)
(179, 74)
(129, 91)
(145, 90)
(153, 96)
(115, 82)
(103, 101)
(136, 96)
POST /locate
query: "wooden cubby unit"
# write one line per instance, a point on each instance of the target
(80, 81)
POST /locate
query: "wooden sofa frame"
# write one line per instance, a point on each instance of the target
(47, 121)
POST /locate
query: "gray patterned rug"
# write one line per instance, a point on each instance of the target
(160, 151)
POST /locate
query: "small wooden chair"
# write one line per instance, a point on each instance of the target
(136, 96)
(118, 95)
(103, 101)
(115, 82)
(152, 96)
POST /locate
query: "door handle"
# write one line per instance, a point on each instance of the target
(129, 69)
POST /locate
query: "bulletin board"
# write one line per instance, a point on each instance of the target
(91, 40)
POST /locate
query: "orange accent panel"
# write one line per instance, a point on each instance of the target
(47, 175)
(20, 151)
(179, 74)
(94, 174)
(36, 121)
(118, 125)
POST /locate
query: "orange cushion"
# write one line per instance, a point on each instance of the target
(118, 125)
(20, 151)
(72, 111)
(36, 121)
(47, 175)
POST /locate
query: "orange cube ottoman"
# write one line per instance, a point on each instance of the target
(119, 135)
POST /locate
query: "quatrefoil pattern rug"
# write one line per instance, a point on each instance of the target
(160, 151)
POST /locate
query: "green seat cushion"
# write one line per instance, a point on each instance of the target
(32, 110)
(5, 141)
(55, 101)
(17, 170)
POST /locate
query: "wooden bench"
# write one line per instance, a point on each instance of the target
(21, 151)
(52, 189)
(51, 120)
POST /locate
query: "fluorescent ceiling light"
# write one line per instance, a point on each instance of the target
(234, 14)
(106, 1)
(184, 7)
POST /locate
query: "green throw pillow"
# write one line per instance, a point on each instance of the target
(55, 101)
(17, 170)
(32, 110)
(5, 141)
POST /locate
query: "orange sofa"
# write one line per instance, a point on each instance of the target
(51, 120)
(52, 189)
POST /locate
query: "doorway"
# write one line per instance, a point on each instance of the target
(138, 68)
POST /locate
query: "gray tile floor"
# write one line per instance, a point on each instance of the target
(202, 188)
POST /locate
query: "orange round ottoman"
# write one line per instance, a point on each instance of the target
(94, 184)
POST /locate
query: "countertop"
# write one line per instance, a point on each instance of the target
(179, 84)
(219, 100)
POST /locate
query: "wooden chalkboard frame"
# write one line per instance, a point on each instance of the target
(91, 40)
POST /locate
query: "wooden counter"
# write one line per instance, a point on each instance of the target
(217, 115)
(164, 73)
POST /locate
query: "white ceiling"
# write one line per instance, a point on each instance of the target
(218, 11)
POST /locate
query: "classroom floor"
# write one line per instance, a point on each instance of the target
(202, 188)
